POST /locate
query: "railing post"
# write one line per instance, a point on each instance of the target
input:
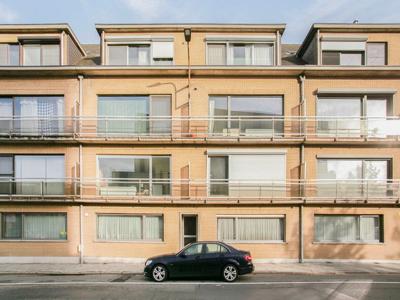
(240, 125)
(336, 189)
(273, 127)
(336, 127)
(42, 188)
(106, 119)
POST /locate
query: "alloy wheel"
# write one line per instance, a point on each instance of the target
(159, 273)
(230, 273)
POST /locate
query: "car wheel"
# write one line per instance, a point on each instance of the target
(159, 273)
(230, 273)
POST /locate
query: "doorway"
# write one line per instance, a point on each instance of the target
(189, 229)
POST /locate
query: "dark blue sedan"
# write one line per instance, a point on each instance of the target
(200, 259)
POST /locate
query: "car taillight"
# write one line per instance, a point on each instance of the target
(247, 258)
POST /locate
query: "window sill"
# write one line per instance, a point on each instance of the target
(255, 242)
(348, 243)
(33, 241)
(130, 242)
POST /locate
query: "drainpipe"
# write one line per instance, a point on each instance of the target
(303, 127)
(81, 234)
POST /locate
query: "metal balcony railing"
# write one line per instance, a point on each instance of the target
(119, 189)
(243, 127)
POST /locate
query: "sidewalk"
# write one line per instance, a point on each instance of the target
(265, 268)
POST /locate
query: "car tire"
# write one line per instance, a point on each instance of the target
(159, 273)
(230, 273)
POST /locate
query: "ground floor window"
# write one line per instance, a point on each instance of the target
(348, 228)
(249, 228)
(130, 227)
(33, 226)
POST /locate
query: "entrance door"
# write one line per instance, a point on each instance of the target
(189, 229)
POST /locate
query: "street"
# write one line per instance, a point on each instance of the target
(259, 286)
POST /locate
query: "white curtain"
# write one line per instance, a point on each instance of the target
(44, 227)
(369, 228)
(119, 228)
(4, 55)
(216, 54)
(31, 55)
(336, 228)
(117, 55)
(263, 54)
(226, 229)
(51, 55)
(260, 229)
(153, 228)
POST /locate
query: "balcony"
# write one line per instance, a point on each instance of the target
(205, 129)
(199, 191)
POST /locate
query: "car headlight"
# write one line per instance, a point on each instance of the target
(148, 262)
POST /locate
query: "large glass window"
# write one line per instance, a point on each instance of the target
(134, 175)
(32, 115)
(348, 228)
(247, 175)
(141, 54)
(6, 174)
(41, 54)
(344, 116)
(248, 228)
(353, 177)
(240, 54)
(134, 115)
(39, 174)
(9, 55)
(130, 227)
(33, 226)
(246, 115)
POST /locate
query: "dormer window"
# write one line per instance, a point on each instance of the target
(240, 53)
(9, 54)
(36, 54)
(352, 52)
(141, 53)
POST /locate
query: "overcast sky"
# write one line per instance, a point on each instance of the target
(297, 14)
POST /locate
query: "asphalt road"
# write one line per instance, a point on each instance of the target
(260, 286)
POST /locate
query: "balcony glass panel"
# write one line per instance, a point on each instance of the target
(130, 176)
(219, 175)
(39, 175)
(161, 115)
(6, 114)
(377, 110)
(339, 116)
(126, 115)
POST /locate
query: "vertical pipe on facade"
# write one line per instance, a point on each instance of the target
(302, 79)
(81, 234)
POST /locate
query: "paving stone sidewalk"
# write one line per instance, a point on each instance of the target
(272, 268)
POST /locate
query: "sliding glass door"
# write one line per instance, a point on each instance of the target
(134, 175)
(129, 115)
(39, 174)
(246, 115)
(249, 175)
(344, 178)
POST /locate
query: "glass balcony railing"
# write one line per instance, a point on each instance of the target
(122, 189)
(176, 127)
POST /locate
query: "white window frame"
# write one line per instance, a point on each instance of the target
(358, 216)
(137, 42)
(229, 51)
(229, 155)
(142, 233)
(150, 158)
(237, 241)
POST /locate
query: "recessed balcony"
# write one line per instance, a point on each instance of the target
(146, 190)
(201, 129)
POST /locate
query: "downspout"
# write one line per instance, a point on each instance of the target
(303, 127)
(189, 81)
(81, 241)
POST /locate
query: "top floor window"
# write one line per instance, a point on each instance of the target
(353, 53)
(261, 54)
(9, 54)
(33, 54)
(141, 54)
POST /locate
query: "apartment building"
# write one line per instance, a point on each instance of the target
(164, 134)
